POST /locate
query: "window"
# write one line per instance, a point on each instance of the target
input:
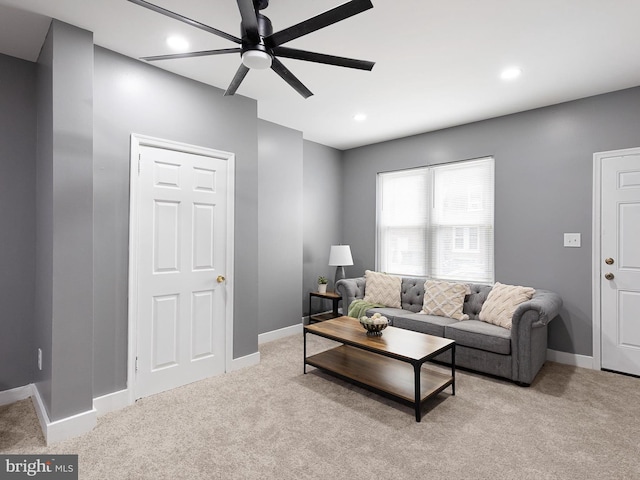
(437, 221)
(465, 239)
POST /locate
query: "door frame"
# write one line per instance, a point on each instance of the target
(598, 159)
(138, 141)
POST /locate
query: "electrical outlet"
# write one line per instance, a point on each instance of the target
(571, 239)
(39, 359)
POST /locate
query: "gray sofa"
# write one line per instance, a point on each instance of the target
(516, 354)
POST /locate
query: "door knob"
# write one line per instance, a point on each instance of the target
(608, 276)
(220, 279)
(609, 261)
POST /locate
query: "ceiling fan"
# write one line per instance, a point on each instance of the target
(260, 47)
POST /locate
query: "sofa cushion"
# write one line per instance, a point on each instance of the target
(502, 302)
(382, 288)
(481, 335)
(419, 322)
(445, 299)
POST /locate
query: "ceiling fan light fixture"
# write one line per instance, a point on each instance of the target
(256, 59)
(511, 73)
(261, 48)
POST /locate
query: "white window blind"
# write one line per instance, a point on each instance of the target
(402, 222)
(437, 221)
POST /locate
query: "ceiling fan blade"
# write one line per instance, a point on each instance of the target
(290, 78)
(249, 20)
(322, 58)
(237, 80)
(203, 53)
(316, 23)
(186, 20)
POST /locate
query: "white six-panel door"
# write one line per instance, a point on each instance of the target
(620, 262)
(182, 253)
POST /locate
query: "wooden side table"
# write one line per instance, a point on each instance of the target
(319, 317)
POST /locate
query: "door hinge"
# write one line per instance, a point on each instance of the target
(136, 364)
(139, 161)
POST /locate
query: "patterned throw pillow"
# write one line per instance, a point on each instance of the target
(444, 299)
(502, 302)
(382, 288)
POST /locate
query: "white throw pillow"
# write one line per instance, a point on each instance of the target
(382, 288)
(502, 302)
(444, 299)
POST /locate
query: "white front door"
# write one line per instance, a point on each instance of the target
(620, 262)
(182, 253)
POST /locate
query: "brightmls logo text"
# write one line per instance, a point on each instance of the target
(30, 468)
(56, 467)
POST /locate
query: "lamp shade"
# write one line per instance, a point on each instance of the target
(340, 255)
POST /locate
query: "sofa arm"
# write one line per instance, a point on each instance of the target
(350, 289)
(529, 334)
(546, 304)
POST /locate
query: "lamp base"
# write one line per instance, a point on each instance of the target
(339, 276)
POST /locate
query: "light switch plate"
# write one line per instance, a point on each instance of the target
(571, 239)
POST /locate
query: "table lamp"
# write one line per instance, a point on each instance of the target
(339, 256)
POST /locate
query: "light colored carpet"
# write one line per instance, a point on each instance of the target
(272, 422)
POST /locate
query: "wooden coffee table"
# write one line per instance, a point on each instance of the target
(390, 364)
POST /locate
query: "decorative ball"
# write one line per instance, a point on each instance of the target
(375, 324)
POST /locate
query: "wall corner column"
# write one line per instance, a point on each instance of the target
(64, 222)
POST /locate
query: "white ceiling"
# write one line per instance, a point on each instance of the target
(437, 62)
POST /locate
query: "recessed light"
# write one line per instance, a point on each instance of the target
(510, 73)
(177, 43)
(360, 117)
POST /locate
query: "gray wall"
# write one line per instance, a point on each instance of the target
(64, 294)
(279, 226)
(43, 301)
(17, 217)
(543, 166)
(323, 211)
(133, 97)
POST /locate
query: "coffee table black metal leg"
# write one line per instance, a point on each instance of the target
(416, 369)
(453, 369)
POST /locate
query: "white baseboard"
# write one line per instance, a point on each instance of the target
(111, 402)
(15, 394)
(65, 428)
(573, 359)
(280, 333)
(244, 362)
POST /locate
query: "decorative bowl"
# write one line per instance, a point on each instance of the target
(374, 325)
